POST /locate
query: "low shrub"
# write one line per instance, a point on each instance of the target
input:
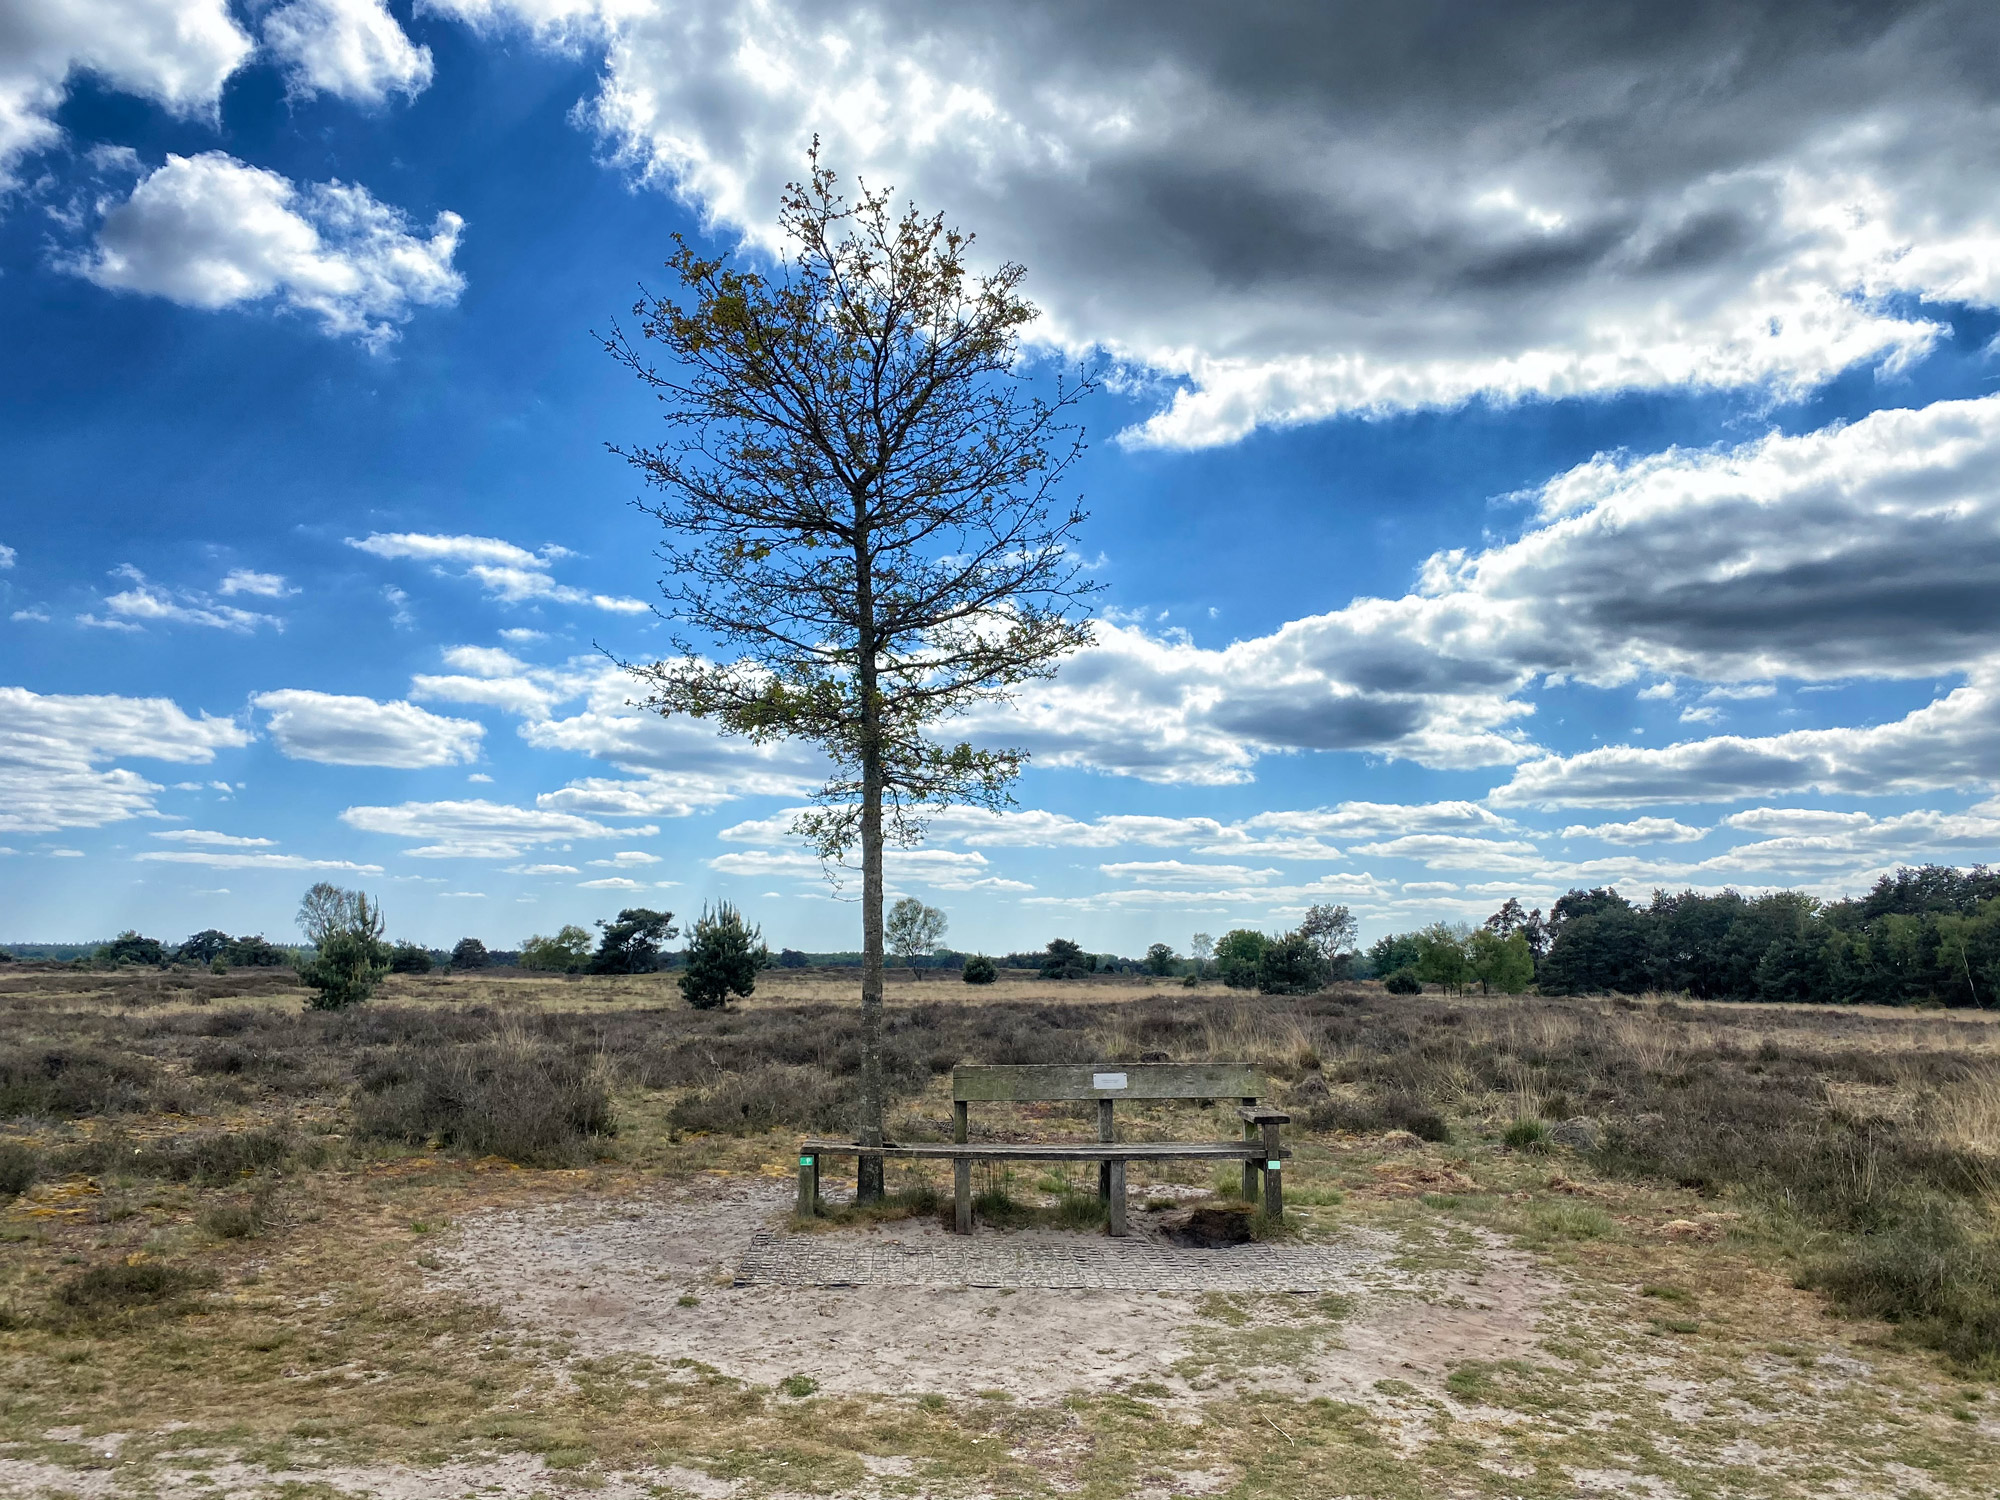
(1528, 1134)
(534, 1105)
(1403, 982)
(218, 1156)
(67, 1083)
(979, 969)
(767, 1099)
(20, 1165)
(1935, 1273)
(1394, 1110)
(107, 1291)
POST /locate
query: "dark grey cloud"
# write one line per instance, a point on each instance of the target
(1312, 208)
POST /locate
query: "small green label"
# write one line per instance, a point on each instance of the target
(805, 1161)
(1272, 1166)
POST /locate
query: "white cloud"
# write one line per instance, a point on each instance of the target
(626, 859)
(479, 829)
(1450, 851)
(1287, 215)
(509, 573)
(1174, 872)
(222, 860)
(610, 883)
(543, 870)
(939, 869)
(210, 232)
(146, 601)
(177, 53)
(1638, 831)
(264, 585)
(352, 48)
(338, 730)
(53, 749)
(1703, 715)
(7, 556)
(217, 840)
(1951, 743)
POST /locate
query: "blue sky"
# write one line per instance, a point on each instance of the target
(1534, 455)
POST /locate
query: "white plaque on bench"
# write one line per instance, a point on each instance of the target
(1108, 1081)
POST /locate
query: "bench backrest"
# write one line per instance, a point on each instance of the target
(1053, 1081)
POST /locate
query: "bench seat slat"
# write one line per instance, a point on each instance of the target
(1066, 1151)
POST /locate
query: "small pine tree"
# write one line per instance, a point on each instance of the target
(349, 957)
(979, 969)
(723, 957)
(468, 953)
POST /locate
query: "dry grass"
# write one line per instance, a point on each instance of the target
(282, 1318)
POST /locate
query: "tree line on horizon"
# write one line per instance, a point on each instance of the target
(1926, 934)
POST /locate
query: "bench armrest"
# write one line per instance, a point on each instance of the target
(1254, 1114)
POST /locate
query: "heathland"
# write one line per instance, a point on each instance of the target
(478, 1232)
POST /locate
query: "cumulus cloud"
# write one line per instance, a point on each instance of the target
(1951, 743)
(210, 232)
(351, 48)
(223, 860)
(213, 839)
(264, 585)
(511, 574)
(144, 601)
(1871, 549)
(340, 730)
(1289, 214)
(53, 750)
(938, 869)
(479, 829)
(177, 53)
(1638, 831)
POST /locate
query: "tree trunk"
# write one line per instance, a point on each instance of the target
(868, 1169)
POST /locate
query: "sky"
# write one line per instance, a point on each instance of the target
(1540, 446)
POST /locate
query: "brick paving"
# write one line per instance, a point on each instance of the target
(1031, 1258)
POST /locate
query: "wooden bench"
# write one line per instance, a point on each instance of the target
(1260, 1150)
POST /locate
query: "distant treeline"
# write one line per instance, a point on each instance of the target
(1928, 935)
(951, 958)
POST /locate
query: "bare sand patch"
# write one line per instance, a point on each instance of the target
(652, 1276)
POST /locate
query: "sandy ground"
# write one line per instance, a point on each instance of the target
(609, 1277)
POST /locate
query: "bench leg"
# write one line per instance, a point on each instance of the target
(1249, 1166)
(808, 1186)
(1117, 1171)
(961, 1195)
(1104, 1133)
(1274, 1177)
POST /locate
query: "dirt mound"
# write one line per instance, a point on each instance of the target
(1208, 1226)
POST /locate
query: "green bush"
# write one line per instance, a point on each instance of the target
(468, 953)
(1527, 1135)
(19, 1167)
(723, 957)
(1403, 982)
(410, 958)
(631, 945)
(979, 969)
(1239, 957)
(345, 970)
(1292, 965)
(565, 953)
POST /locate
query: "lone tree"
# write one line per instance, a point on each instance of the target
(914, 930)
(861, 499)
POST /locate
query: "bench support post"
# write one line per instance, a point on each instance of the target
(808, 1185)
(1104, 1133)
(1115, 1170)
(1274, 1177)
(1249, 1166)
(961, 1196)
